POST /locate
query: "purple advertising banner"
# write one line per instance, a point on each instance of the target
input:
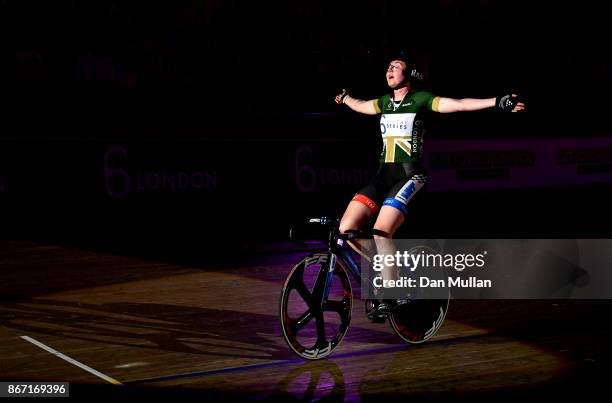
(505, 163)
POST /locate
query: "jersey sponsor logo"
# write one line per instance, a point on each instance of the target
(397, 124)
(391, 105)
(396, 131)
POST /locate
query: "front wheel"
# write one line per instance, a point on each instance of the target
(312, 328)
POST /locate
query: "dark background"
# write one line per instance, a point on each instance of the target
(103, 96)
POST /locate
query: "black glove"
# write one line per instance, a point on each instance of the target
(506, 102)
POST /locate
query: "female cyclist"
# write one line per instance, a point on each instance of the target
(400, 174)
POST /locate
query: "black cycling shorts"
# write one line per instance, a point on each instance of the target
(393, 185)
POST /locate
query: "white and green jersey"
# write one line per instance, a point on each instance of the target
(401, 125)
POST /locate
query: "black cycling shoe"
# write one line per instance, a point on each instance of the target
(377, 311)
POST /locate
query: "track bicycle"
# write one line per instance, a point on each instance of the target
(317, 300)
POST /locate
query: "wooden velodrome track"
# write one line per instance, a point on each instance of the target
(198, 331)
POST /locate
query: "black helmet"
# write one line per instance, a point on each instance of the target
(412, 73)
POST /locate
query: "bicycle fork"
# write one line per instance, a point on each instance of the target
(323, 284)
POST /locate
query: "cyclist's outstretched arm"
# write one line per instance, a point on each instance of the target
(358, 105)
(448, 105)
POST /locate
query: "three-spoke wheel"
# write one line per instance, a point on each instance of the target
(313, 325)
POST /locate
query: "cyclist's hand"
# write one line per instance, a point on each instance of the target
(340, 97)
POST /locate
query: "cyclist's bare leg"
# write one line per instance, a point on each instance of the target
(388, 221)
(356, 216)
